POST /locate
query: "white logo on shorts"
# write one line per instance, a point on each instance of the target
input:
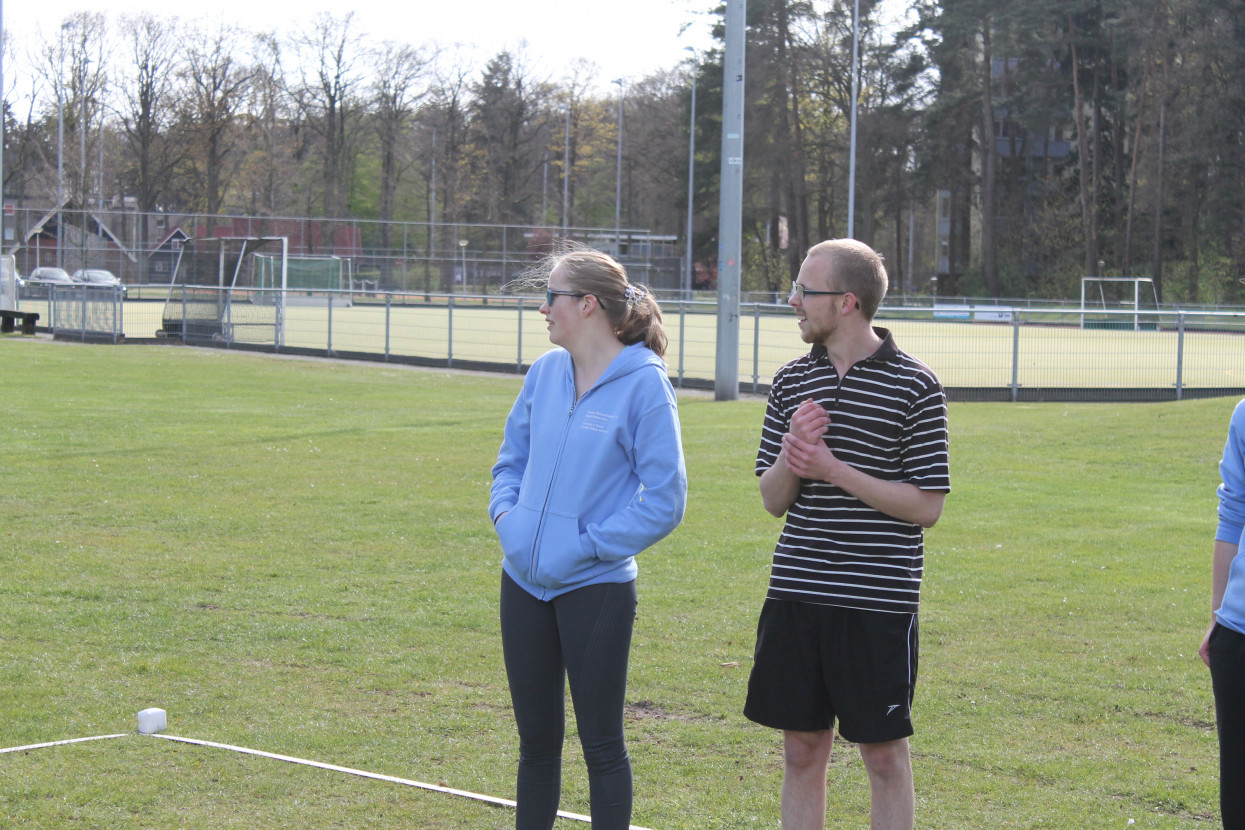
(892, 708)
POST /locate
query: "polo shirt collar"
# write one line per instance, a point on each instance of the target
(886, 351)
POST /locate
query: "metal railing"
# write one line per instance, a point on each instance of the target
(979, 353)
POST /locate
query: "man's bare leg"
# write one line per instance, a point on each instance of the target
(805, 758)
(890, 784)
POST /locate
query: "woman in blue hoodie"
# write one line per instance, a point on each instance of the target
(590, 473)
(1223, 647)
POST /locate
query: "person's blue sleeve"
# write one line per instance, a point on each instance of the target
(1232, 490)
(658, 508)
(512, 457)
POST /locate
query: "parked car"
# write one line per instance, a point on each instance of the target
(49, 276)
(97, 277)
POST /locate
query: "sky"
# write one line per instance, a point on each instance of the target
(627, 40)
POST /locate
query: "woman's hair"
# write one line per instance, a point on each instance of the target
(631, 309)
(857, 268)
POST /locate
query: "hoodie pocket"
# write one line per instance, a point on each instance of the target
(516, 531)
(561, 558)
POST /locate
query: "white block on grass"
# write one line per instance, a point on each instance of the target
(152, 720)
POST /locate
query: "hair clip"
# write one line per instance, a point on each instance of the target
(632, 293)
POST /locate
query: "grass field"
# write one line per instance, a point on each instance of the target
(295, 556)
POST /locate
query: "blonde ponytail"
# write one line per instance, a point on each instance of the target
(642, 322)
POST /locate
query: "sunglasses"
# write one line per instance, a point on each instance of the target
(550, 294)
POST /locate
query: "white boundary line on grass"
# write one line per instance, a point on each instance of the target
(62, 743)
(505, 802)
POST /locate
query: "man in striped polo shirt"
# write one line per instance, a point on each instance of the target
(854, 454)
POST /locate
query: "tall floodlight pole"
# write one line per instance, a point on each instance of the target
(544, 189)
(1, 125)
(432, 216)
(851, 165)
(566, 170)
(691, 173)
(618, 175)
(81, 76)
(84, 206)
(99, 195)
(60, 143)
(730, 212)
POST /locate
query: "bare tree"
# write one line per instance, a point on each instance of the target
(25, 159)
(328, 96)
(447, 116)
(217, 85)
(80, 55)
(397, 90)
(75, 68)
(147, 107)
(571, 145)
(654, 154)
(272, 134)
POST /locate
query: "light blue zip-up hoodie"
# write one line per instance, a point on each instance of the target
(1232, 520)
(586, 485)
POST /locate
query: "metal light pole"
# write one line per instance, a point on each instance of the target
(618, 175)
(462, 244)
(566, 170)
(60, 142)
(730, 212)
(432, 216)
(1, 125)
(84, 206)
(99, 194)
(851, 168)
(81, 75)
(691, 173)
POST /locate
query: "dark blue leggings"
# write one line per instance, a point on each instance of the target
(1227, 675)
(583, 635)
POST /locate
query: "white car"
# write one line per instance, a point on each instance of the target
(48, 276)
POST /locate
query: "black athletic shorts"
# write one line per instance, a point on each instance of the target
(815, 664)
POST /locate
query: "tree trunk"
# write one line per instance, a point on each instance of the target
(1088, 203)
(1095, 166)
(1156, 249)
(1132, 173)
(1193, 229)
(989, 156)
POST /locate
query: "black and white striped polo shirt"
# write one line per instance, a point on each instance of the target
(888, 418)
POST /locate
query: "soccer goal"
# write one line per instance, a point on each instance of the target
(221, 292)
(1103, 297)
(317, 280)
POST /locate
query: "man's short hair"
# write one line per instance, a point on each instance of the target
(857, 268)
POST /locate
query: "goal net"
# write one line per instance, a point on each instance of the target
(308, 280)
(221, 292)
(1106, 301)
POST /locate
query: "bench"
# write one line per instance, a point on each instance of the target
(10, 318)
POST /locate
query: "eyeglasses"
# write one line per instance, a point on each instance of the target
(802, 292)
(550, 294)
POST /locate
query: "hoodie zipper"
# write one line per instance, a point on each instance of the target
(553, 475)
(570, 413)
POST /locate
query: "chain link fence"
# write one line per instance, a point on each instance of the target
(142, 248)
(979, 353)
